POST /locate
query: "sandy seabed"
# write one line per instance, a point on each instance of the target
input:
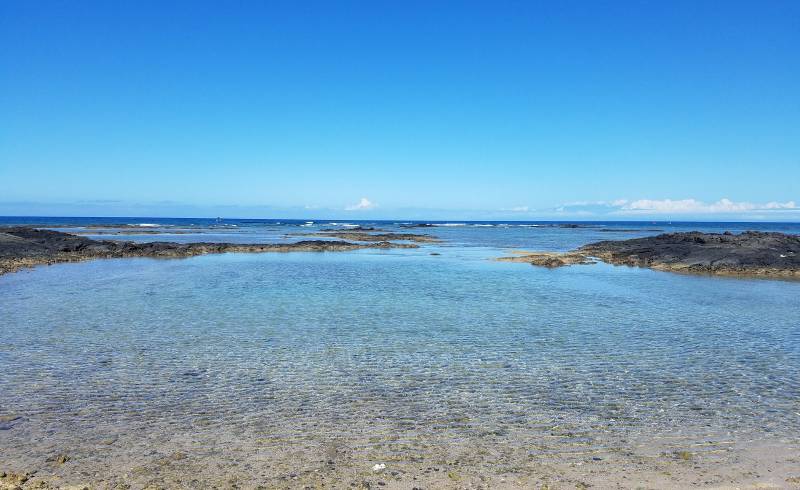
(559, 456)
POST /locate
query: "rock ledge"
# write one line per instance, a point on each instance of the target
(22, 247)
(752, 253)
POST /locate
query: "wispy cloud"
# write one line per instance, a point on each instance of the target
(589, 207)
(686, 209)
(362, 205)
(679, 208)
(694, 206)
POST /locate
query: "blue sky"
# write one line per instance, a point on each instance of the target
(526, 110)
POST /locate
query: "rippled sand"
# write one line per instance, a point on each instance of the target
(376, 454)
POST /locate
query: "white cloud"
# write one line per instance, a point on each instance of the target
(362, 205)
(694, 206)
(781, 205)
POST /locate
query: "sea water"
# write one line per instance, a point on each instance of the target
(394, 351)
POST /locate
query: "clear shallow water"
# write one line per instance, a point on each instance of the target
(392, 350)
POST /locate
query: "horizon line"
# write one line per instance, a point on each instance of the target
(432, 221)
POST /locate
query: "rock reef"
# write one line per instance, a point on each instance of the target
(751, 253)
(354, 228)
(417, 225)
(22, 247)
(134, 231)
(549, 259)
(361, 236)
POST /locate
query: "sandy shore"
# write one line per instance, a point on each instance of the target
(207, 458)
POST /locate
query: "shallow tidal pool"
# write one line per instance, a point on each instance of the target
(303, 369)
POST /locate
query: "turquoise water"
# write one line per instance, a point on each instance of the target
(383, 347)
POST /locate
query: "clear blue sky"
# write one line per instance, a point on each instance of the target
(401, 109)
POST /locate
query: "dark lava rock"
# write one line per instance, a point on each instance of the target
(752, 253)
(748, 253)
(361, 236)
(353, 228)
(26, 247)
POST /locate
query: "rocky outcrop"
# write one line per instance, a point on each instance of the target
(549, 259)
(354, 228)
(22, 247)
(361, 236)
(134, 231)
(751, 253)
